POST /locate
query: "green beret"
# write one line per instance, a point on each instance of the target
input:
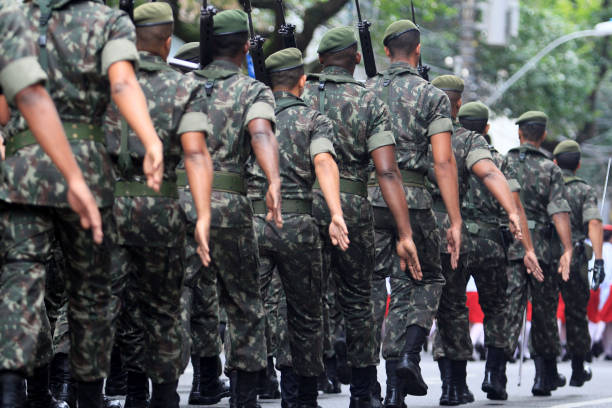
(337, 39)
(566, 146)
(474, 110)
(189, 52)
(449, 83)
(284, 60)
(230, 22)
(151, 14)
(398, 28)
(532, 117)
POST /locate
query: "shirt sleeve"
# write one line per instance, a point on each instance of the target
(439, 113)
(190, 121)
(556, 199)
(121, 43)
(479, 151)
(19, 66)
(379, 127)
(590, 211)
(322, 136)
(262, 106)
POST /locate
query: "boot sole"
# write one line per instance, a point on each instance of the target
(207, 400)
(540, 393)
(493, 396)
(414, 384)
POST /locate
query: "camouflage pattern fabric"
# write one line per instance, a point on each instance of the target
(272, 294)
(61, 332)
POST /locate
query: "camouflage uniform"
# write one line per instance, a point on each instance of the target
(148, 261)
(33, 192)
(234, 101)
(583, 203)
(295, 249)
(542, 194)
(360, 122)
(469, 148)
(418, 111)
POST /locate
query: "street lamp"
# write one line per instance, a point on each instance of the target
(600, 30)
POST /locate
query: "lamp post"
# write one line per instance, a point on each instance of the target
(600, 30)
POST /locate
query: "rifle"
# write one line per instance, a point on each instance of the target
(206, 33)
(423, 69)
(286, 31)
(366, 43)
(128, 7)
(256, 48)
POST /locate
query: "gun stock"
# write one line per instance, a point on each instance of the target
(206, 33)
(286, 31)
(423, 69)
(365, 40)
(256, 48)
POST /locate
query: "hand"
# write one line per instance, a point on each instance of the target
(201, 234)
(533, 266)
(83, 203)
(453, 237)
(514, 223)
(338, 232)
(564, 265)
(153, 165)
(273, 202)
(599, 275)
(407, 252)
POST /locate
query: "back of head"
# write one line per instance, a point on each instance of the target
(402, 38)
(533, 125)
(231, 32)
(338, 47)
(567, 154)
(474, 116)
(286, 68)
(453, 86)
(154, 25)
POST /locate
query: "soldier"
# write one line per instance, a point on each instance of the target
(361, 125)
(242, 114)
(420, 117)
(295, 250)
(81, 81)
(148, 262)
(586, 221)
(542, 194)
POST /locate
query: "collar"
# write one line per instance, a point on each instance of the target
(223, 64)
(402, 66)
(147, 56)
(286, 95)
(335, 70)
(568, 173)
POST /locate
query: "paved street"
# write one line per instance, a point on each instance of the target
(596, 393)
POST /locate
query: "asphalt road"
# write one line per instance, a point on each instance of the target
(596, 393)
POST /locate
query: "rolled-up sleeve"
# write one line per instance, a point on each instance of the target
(19, 74)
(556, 198)
(194, 122)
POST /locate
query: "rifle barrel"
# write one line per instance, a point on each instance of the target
(358, 11)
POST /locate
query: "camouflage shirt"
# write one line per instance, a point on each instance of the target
(84, 38)
(235, 99)
(299, 129)
(361, 125)
(583, 203)
(18, 65)
(542, 194)
(153, 221)
(418, 111)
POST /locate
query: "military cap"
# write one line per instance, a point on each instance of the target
(337, 39)
(151, 14)
(449, 83)
(189, 52)
(566, 146)
(398, 28)
(284, 60)
(474, 110)
(532, 117)
(230, 22)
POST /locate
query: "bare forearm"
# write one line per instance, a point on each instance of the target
(390, 182)
(497, 184)
(265, 148)
(329, 180)
(564, 229)
(596, 237)
(446, 176)
(199, 169)
(526, 241)
(5, 111)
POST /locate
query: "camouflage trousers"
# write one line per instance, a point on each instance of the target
(148, 282)
(576, 293)
(333, 321)
(271, 294)
(544, 334)
(27, 236)
(295, 251)
(415, 302)
(488, 267)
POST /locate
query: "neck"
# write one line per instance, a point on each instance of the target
(350, 69)
(237, 60)
(156, 53)
(293, 91)
(531, 142)
(412, 60)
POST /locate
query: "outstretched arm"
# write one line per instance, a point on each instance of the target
(564, 230)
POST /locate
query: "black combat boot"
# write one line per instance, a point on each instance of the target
(408, 367)
(580, 373)
(89, 394)
(111, 403)
(360, 403)
(233, 380)
(268, 382)
(332, 383)
(360, 387)
(194, 395)
(289, 388)
(394, 397)
(556, 380)
(12, 390)
(459, 376)
(307, 392)
(246, 389)
(343, 370)
(62, 386)
(116, 383)
(164, 395)
(541, 386)
(210, 389)
(137, 390)
(375, 391)
(444, 364)
(39, 395)
(495, 372)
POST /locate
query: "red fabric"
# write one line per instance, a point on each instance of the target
(605, 313)
(476, 315)
(387, 308)
(528, 311)
(593, 307)
(561, 309)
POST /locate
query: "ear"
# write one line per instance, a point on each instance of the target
(167, 47)
(246, 47)
(302, 82)
(387, 52)
(418, 49)
(320, 60)
(520, 133)
(487, 129)
(357, 58)
(555, 161)
(544, 136)
(579, 163)
(459, 103)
